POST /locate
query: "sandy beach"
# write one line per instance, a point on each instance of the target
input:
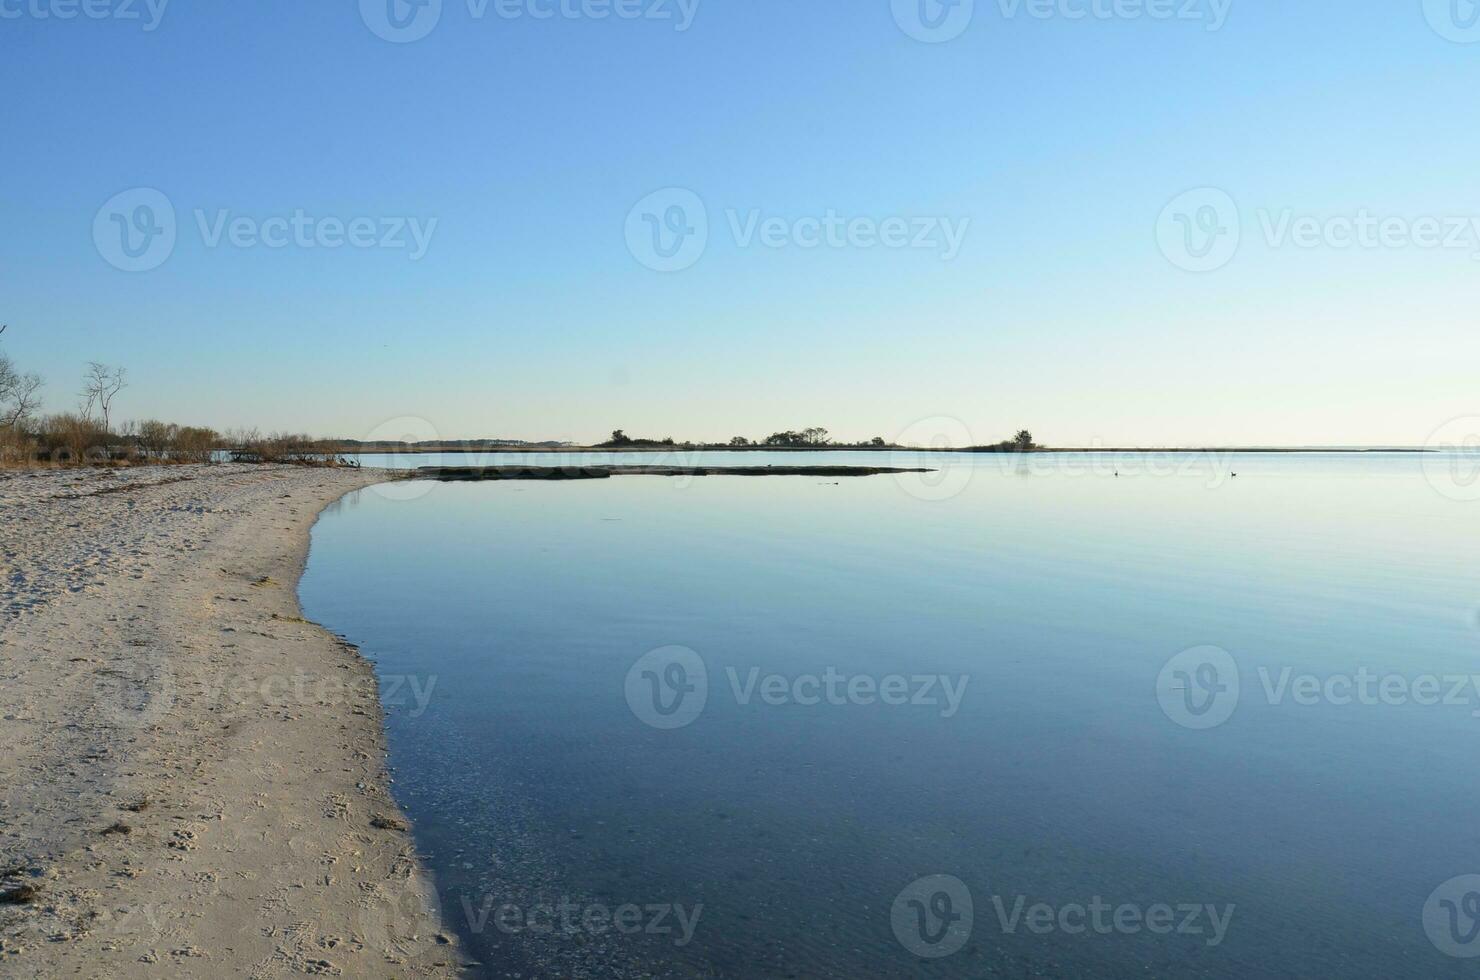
(193, 782)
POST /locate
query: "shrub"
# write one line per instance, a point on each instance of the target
(68, 438)
(195, 445)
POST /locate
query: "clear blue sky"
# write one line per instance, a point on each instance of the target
(1060, 140)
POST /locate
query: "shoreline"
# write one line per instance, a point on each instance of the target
(196, 777)
(438, 450)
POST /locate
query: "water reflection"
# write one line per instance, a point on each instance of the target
(901, 693)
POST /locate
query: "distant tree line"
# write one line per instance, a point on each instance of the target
(1020, 443)
(89, 435)
(432, 445)
(621, 439)
(814, 437)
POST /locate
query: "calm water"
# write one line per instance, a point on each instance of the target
(538, 643)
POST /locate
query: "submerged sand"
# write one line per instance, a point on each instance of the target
(192, 780)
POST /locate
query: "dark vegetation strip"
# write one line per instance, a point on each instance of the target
(477, 473)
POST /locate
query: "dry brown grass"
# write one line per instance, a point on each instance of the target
(69, 440)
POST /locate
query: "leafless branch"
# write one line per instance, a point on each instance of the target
(100, 386)
(19, 396)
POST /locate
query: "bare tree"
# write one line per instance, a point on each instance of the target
(19, 393)
(157, 438)
(100, 386)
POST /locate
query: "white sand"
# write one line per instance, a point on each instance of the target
(155, 674)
